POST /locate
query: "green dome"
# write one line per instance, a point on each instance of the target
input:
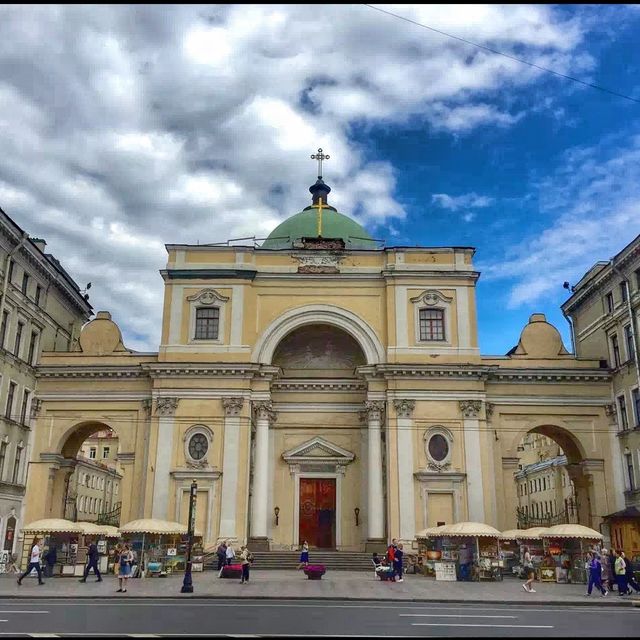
(305, 225)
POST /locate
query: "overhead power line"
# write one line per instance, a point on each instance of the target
(506, 55)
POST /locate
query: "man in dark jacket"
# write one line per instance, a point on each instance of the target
(50, 558)
(631, 579)
(93, 563)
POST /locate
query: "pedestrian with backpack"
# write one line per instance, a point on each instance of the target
(246, 557)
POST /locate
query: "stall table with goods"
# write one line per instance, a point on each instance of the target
(105, 537)
(512, 544)
(65, 536)
(469, 551)
(429, 550)
(161, 546)
(566, 547)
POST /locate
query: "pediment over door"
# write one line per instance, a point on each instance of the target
(318, 454)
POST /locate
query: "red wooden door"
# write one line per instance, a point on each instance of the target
(318, 512)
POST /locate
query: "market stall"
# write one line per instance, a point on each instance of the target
(105, 537)
(512, 543)
(161, 546)
(65, 536)
(566, 547)
(469, 551)
(429, 550)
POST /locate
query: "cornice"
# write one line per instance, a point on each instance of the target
(527, 376)
(327, 385)
(174, 370)
(90, 371)
(432, 273)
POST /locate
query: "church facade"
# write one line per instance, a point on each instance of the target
(322, 387)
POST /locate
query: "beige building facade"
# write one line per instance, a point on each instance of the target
(41, 309)
(321, 387)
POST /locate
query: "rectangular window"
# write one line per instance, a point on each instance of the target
(92, 453)
(615, 351)
(18, 344)
(630, 474)
(12, 265)
(25, 283)
(38, 294)
(105, 452)
(25, 404)
(3, 328)
(32, 347)
(431, 324)
(3, 455)
(9, 407)
(622, 409)
(16, 465)
(635, 399)
(609, 302)
(207, 322)
(623, 291)
(637, 272)
(628, 338)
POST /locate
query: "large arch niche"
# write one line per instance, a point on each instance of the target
(318, 350)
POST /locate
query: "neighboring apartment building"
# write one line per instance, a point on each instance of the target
(41, 308)
(604, 312)
(545, 490)
(102, 447)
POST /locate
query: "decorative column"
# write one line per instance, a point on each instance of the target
(472, 456)
(165, 410)
(406, 502)
(230, 463)
(374, 410)
(264, 415)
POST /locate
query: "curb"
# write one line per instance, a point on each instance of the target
(178, 596)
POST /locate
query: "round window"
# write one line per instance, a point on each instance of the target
(198, 446)
(438, 447)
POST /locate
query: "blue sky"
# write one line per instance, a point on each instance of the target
(127, 127)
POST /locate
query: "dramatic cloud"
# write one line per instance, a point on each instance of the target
(594, 202)
(125, 127)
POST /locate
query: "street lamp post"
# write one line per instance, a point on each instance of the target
(187, 583)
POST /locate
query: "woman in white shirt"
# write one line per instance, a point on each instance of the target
(34, 562)
(230, 553)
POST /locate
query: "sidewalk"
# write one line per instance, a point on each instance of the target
(335, 585)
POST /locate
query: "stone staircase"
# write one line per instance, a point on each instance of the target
(332, 560)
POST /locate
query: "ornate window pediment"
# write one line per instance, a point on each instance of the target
(207, 299)
(432, 317)
(318, 454)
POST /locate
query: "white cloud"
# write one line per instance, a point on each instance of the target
(595, 201)
(126, 126)
(467, 200)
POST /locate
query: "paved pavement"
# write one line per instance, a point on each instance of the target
(340, 585)
(246, 617)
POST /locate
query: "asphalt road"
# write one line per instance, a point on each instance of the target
(148, 618)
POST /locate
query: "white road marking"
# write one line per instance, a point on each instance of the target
(43, 635)
(493, 626)
(3, 612)
(449, 615)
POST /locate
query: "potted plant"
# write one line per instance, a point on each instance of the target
(315, 571)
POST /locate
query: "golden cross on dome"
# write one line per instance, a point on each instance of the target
(319, 157)
(319, 208)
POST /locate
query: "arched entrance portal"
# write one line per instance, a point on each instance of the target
(552, 483)
(317, 480)
(86, 481)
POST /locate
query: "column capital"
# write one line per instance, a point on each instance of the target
(373, 409)
(232, 405)
(264, 411)
(166, 406)
(470, 408)
(404, 408)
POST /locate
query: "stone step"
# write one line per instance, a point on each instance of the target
(333, 560)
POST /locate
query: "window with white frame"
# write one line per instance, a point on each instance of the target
(609, 299)
(622, 412)
(92, 453)
(438, 443)
(628, 340)
(635, 399)
(628, 459)
(105, 452)
(207, 316)
(197, 444)
(16, 463)
(615, 351)
(433, 317)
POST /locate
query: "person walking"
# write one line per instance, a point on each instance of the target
(595, 575)
(620, 568)
(34, 562)
(126, 558)
(245, 558)
(93, 557)
(304, 556)
(527, 562)
(397, 562)
(221, 553)
(631, 578)
(391, 551)
(50, 558)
